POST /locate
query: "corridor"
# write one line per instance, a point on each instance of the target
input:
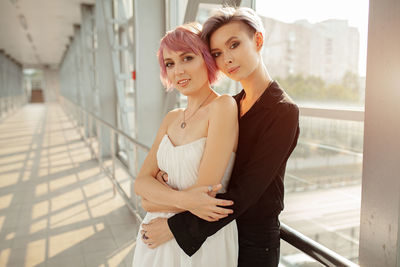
(56, 207)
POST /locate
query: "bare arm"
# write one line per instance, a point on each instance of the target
(162, 177)
(153, 207)
(146, 185)
(167, 199)
(221, 141)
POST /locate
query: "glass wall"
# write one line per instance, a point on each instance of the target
(317, 52)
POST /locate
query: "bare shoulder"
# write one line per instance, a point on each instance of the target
(172, 115)
(224, 103)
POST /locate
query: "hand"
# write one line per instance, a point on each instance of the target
(198, 201)
(162, 177)
(156, 232)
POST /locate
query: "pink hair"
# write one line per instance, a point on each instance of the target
(186, 38)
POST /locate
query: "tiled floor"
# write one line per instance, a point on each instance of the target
(56, 208)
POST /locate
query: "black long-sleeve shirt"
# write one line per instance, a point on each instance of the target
(268, 133)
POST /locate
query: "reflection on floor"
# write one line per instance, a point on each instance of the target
(56, 208)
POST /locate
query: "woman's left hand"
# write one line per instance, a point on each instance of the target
(156, 232)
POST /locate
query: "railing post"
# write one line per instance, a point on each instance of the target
(112, 141)
(90, 135)
(99, 150)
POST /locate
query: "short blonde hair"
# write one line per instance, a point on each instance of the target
(226, 15)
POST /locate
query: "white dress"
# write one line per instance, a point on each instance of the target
(221, 249)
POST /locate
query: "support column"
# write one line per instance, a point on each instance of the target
(87, 51)
(2, 84)
(105, 72)
(51, 85)
(380, 208)
(150, 92)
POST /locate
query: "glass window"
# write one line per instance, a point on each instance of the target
(317, 52)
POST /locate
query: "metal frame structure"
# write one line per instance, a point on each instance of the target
(121, 30)
(12, 93)
(76, 113)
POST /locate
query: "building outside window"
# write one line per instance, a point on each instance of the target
(317, 52)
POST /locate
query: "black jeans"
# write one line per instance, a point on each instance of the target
(258, 257)
(259, 245)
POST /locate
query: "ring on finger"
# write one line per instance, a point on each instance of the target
(210, 188)
(162, 175)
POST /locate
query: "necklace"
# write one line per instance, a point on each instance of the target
(183, 124)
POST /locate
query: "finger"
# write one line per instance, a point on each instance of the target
(211, 219)
(212, 188)
(206, 218)
(223, 202)
(160, 179)
(158, 175)
(216, 188)
(146, 240)
(164, 176)
(145, 227)
(223, 211)
(152, 245)
(218, 216)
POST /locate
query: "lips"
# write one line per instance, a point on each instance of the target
(183, 82)
(233, 70)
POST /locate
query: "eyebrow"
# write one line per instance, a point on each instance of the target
(226, 43)
(184, 53)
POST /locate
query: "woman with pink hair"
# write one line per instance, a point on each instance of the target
(196, 147)
(268, 133)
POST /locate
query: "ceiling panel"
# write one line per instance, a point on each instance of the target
(36, 33)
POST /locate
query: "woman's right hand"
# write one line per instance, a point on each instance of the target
(162, 177)
(199, 201)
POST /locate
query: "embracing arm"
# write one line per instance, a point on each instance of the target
(149, 206)
(272, 151)
(222, 135)
(221, 140)
(146, 185)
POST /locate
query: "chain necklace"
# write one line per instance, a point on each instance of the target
(183, 124)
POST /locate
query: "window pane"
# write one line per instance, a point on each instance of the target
(291, 256)
(323, 184)
(317, 51)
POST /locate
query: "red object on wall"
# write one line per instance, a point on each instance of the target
(134, 75)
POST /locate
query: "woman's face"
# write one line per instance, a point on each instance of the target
(235, 50)
(186, 70)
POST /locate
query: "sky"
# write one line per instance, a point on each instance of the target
(354, 11)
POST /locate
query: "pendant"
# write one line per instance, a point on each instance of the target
(183, 125)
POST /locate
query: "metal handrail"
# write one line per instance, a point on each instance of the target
(310, 247)
(116, 130)
(133, 207)
(333, 113)
(314, 249)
